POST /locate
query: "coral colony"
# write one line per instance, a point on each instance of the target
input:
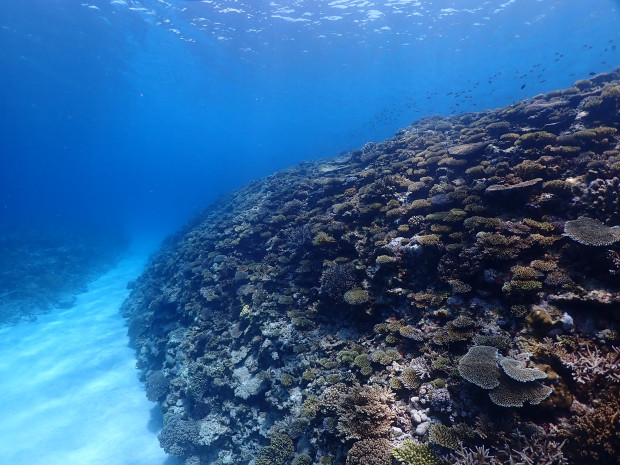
(448, 296)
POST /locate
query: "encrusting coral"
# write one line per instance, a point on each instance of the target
(445, 296)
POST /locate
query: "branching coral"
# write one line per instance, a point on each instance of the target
(278, 452)
(444, 436)
(589, 364)
(517, 449)
(370, 452)
(413, 453)
(336, 280)
(595, 436)
(363, 411)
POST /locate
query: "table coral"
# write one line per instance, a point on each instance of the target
(589, 231)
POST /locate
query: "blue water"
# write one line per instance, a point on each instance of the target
(142, 112)
(138, 114)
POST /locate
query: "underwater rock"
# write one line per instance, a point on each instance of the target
(331, 311)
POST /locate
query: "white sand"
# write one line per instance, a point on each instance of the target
(69, 390)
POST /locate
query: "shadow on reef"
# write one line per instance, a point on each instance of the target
(446, 296)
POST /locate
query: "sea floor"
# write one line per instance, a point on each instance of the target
(69, 390)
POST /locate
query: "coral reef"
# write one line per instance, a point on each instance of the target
(43, 268)
(589, 231)
(370, 452)
(510, 383)
(413, 453)
(445, 296)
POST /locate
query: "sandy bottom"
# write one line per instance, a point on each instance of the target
(69, 390)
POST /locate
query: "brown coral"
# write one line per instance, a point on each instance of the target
(370, 452)
(589, 231)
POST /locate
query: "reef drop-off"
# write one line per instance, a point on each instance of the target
(450, 295)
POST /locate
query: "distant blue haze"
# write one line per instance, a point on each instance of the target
(140, 113)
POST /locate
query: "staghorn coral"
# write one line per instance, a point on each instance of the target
(517, 449)
(589, 364)
(479, 455)
(420, 367)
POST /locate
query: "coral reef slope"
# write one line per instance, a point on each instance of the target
(449, 295)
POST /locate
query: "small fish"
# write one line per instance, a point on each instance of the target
(523, 86)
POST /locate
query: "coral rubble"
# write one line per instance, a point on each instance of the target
(450, 295)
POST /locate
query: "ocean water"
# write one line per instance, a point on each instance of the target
(145, 111)
(70, 393)
(138, 114)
